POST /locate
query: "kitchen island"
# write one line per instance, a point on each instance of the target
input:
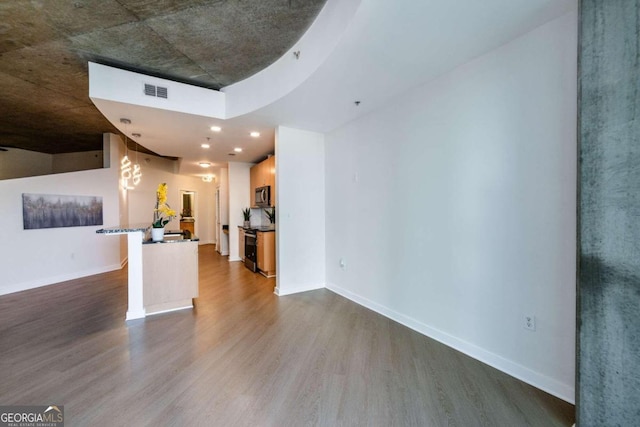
(170, 273)
(162, 276)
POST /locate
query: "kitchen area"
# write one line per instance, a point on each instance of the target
(257, 234)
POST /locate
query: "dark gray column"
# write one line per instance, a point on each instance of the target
(608, 354)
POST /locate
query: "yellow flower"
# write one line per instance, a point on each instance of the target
(163, 213)
(164, 209)
(162, 193)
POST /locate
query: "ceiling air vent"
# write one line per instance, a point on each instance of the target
(159, 91)
(149, 90)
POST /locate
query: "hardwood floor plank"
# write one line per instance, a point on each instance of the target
(245, 357)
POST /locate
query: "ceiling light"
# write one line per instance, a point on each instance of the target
(126, 171)
(204, 164)
(205, 146)
(238, 150)
(136, 135)
(255, 134)
(216, 128)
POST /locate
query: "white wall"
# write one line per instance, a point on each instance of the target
(239, 183)
(454, 207)
(223, 187)
(32, 258)
(300, 223)
(17, 163)
(123, 212)
(69, 162)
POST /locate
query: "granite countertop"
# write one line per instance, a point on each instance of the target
(132, 228)
(172, 239)
(263, 228)
(172, 236)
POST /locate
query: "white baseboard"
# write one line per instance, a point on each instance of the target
(235, 259)
(18, 287)
(137, 314)
(563, 391)
(297, 289)
(168, 307)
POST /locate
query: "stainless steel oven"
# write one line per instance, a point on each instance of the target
(250, 250)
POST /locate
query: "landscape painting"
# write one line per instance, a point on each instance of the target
(49, 211)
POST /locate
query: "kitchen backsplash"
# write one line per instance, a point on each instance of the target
(259, 217)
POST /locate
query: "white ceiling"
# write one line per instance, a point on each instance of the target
(386, 49)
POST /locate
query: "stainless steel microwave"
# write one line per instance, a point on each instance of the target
(262, 197)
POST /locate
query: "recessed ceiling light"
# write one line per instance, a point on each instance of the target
(204, 164)
(255, 134)
(205, 146)
(216, 128)
(238, 150)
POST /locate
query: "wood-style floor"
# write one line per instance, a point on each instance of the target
(244, 357)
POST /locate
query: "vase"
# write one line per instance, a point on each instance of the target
(247, 224)
(157, 234)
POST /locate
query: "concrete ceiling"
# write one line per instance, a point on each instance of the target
(45, 47)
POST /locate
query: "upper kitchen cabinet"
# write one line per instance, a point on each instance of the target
(262, 174)
(270, 171)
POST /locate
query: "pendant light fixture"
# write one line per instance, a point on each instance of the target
(137, 172)
(129, 172)
(125, 163)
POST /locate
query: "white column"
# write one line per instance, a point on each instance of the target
(300, 238)
(136, 307)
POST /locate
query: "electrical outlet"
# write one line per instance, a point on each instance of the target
(530, 322)
(343, 264)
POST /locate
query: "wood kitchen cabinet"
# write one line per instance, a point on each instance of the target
(255, 179)
(266, 252)
(258, 175)
(264, 173)
(270, 176)
(188, 225)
